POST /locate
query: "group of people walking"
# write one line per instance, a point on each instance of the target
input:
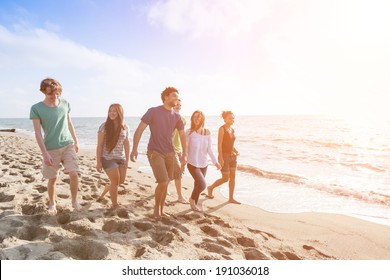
(170, 148)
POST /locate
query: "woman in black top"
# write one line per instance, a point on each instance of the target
(227, 156)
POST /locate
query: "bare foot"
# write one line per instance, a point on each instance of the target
(106, 189)
(209, 193)
(116, 206)
(76, 206)
(165, 215)
(233, 201)
(52, 210)
(194, 207)
(156, 214)
(157, 217)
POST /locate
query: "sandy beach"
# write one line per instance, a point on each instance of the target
(223, 232)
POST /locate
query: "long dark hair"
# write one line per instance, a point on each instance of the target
(114, 127)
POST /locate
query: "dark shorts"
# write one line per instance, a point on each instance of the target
(229, 162)
(163, 165)
(112, 163)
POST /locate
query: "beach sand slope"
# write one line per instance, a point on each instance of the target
(223, 232)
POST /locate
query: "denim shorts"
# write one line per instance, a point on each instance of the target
(112, 163)
(229, 162)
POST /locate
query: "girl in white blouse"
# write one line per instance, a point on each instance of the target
(198, 147)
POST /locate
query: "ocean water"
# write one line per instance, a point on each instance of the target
(292, 164)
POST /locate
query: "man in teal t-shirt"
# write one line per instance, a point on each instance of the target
(59, 144)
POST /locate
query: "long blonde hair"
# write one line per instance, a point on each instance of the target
(114, 127)
(193, 126)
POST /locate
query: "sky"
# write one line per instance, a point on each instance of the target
(254, 57)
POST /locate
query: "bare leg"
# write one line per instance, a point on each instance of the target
(114, 176)
(74, 187)
(232, 184)
(224, 179)
(159, 198)
(122, 174)
(180, 196)
(51, 190)
(162, 204)
(194, 206)
(106, 190)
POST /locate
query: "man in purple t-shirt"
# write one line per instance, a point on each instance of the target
(162, 121)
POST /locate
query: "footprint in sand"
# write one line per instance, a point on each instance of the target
(218, 221)
(143, 226)
(254, 254)
(83, 249)
(246, 242)
(32, 233)
(224, 243)
(140, 252)
(163, 238)
(192, 216)
(204, 221)
(36, 196)
(210, 231)
(40, 188)
(87, 197)
(33, 208)
(63, 218)
(265, 235)
(284, 255)
(81, 227)
(4, 185)
(308, 248)
(6, 197)
(9, 226)
(219, 241)
(212, 247)
(117, 226)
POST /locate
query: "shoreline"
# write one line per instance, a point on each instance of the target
(224, 231)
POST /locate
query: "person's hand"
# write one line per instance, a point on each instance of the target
(47, 159)
(76, 147)
(183, 160)
(182, 167)
(99, 167)
(220, 160)
(219, 167)
(133, 156)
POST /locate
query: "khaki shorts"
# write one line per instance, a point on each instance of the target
(65, 156)
(162, 165)
(177, 167)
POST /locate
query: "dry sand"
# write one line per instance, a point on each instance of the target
(223, 232)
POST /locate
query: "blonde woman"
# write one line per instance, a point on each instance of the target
(198, 147)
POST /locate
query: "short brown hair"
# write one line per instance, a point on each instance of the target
(52, 83)
(166, 92)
